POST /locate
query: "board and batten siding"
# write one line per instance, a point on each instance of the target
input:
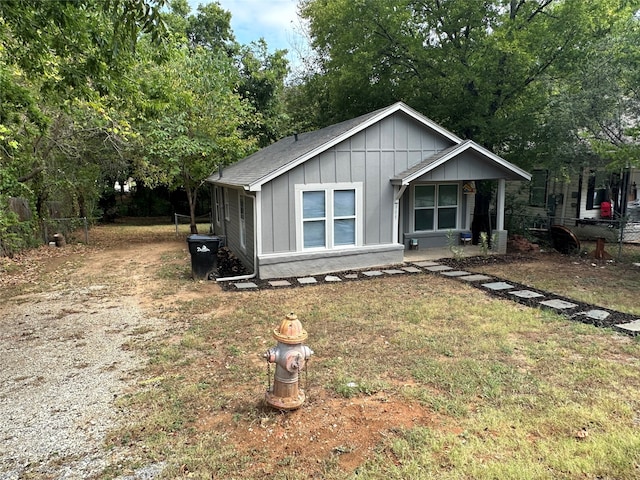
(232, 226)
(372, 157)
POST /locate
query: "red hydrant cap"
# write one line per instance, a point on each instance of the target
(290, 331)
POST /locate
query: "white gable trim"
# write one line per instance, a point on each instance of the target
(396, 107)
(457, 151)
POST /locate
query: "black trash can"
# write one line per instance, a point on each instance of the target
(204, 255)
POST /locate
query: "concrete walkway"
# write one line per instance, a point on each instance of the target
(532, 297)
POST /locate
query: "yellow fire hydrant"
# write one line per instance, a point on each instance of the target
(290, 357)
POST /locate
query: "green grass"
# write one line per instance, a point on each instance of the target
(511, 388)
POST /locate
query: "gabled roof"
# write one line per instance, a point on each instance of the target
(433, 162)
(270, 162)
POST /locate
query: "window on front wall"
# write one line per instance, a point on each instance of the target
(435, 207)
(329, 216)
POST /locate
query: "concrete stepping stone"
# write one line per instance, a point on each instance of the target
(332, 278)
(307, 280)
(351, 276)
(245, 285)
(476, 278)
(426, 264)
(498, 286)
(526, 294)
(372, 273)
(280, 283)
(393, 272)
(412, 269)
(438, 268)
(631, 327)
(455, 273)
(558, 304)
(597, 314)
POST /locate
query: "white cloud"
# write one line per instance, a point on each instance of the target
(274, 20)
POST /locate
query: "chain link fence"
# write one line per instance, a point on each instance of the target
(621, 236)
(73, 230)
(182, 223)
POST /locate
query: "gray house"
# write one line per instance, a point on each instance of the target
(354, 195)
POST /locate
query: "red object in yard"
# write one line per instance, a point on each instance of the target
(605, 210)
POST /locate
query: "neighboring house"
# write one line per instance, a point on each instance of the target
(354, 195)
(592, 197)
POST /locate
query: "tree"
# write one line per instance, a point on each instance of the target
(262, 77)
(193, 120)
(483, 69)
(59, 62)
(489, 71)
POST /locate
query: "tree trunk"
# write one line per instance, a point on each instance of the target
(191, 197)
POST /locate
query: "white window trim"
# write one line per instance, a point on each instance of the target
(225, 200)
(435, 208)
(328, 189)
(242, 214)
(217, 196)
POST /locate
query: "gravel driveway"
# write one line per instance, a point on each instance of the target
(63, 364)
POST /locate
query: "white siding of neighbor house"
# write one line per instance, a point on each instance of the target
(372, 157)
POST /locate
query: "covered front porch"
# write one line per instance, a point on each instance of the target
(436, 205)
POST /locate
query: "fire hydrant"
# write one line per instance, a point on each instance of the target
(290, 357)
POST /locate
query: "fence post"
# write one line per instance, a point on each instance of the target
(86, 230)
(175, 217)
(621, 239)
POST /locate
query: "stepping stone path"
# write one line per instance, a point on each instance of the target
(499, 287)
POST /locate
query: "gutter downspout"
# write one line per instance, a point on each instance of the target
(255, 248)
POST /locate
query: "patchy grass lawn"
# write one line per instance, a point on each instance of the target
(413, 377)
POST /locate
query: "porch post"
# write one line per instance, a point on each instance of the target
(500, 205)
(398, 190)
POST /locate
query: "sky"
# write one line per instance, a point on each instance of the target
(274, 20)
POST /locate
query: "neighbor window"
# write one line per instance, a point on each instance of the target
(329, 215)
(538, 188)
(435, 207)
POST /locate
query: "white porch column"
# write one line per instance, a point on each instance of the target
(500, 205)
(398, 190)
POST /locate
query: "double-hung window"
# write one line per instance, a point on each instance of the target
(330, 215)
(435, 207)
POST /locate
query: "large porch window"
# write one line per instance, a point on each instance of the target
(435, 207)
(330, 216)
